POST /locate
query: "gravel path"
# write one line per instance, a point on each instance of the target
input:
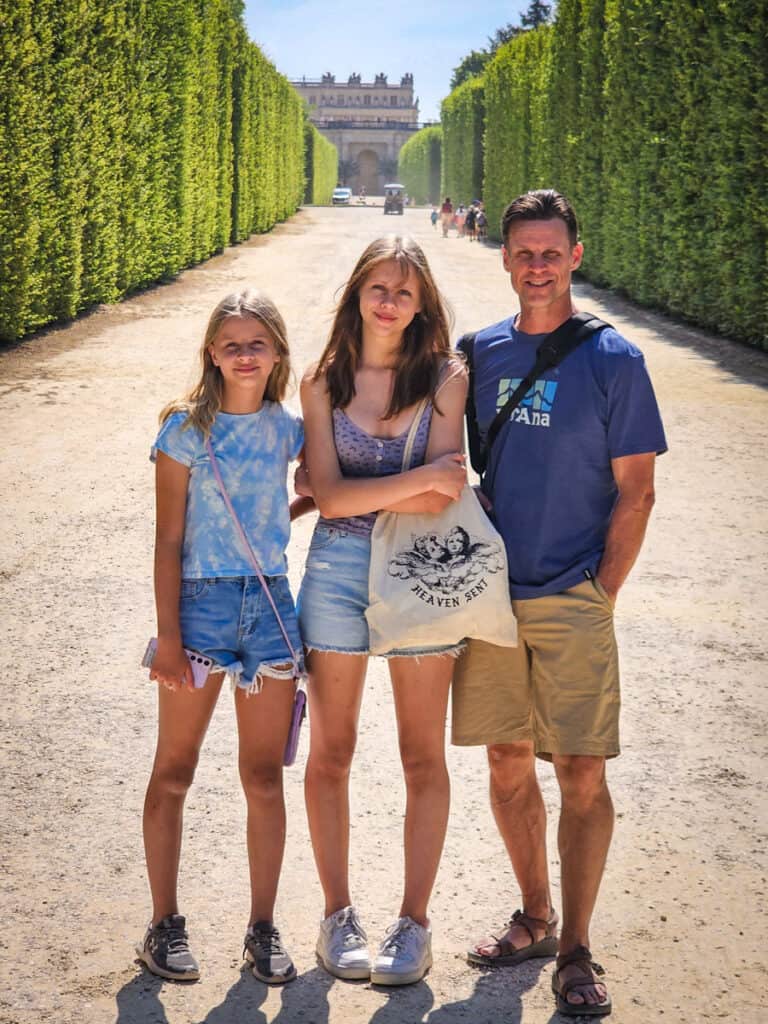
(680, 926)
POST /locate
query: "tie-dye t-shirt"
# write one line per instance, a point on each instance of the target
(253, 452)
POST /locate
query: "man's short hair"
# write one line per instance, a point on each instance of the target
(541, 204)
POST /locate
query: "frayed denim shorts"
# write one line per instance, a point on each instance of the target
(334, 595)
(231, 620)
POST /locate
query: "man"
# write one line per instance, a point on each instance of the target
(570, 482)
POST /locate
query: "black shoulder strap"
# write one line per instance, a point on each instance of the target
(550, 353)
(466, 345)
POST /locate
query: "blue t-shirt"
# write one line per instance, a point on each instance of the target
(253, 452)
(549, 474)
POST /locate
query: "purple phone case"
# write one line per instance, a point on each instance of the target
(201, 665)
(297, 717)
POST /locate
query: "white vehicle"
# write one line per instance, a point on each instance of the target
(341, 196)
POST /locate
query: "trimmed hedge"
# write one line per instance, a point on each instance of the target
(653, 119)
(462, 115)
(321, 166)
(419, 165)
(138, 137)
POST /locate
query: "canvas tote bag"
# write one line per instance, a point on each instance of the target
(436, 579)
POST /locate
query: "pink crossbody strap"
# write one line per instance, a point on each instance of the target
(252, 557)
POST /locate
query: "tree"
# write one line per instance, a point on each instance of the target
(474, 63)
(471, 66)
(537, 14)
(503, 35)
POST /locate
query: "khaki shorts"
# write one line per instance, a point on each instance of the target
(559, 687)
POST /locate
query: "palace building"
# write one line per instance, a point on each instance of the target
(368, 122)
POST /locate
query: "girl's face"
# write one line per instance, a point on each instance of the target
(245, 353)
(388, 301)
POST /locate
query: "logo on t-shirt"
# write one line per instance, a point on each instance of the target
(536, 407)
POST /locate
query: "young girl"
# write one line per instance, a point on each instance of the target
(210, 600)
(388, 349)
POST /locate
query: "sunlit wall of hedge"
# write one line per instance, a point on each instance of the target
(654, 120)
(419, 164)
(321, 166)
(462, 116)
(136, 137)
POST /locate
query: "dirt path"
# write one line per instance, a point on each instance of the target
(681, 921)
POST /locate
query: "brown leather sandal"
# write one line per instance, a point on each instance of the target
(509, 955)
(579, 957)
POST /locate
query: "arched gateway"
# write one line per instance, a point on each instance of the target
(368, 122)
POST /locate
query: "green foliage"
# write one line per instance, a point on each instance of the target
(321, 166)
(653, 119)
(419, 165)
(138, 137)
(462, 115)
(469, 67)
(516, 156)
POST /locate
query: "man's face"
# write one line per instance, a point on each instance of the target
(540, 259)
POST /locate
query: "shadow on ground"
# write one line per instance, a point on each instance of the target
(497, 996)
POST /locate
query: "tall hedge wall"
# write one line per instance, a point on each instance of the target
(321, 166)
(136, 137)
(419, 164)
(462, 116)
(653, 118)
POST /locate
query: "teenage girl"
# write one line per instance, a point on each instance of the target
(388, 349)
(210, 600)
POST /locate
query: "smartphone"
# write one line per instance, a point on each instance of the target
(201, 665)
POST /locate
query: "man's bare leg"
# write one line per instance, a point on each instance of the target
(520, 816)
(584, 836)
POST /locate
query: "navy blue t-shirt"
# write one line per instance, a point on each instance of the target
(549, 473)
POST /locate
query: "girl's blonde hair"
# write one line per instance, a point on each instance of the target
(203, 402)
(426, 341)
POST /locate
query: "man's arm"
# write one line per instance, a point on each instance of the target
(634, 478)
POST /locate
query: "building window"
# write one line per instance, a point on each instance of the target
(312, 101)
(367, 101)
(393, 101)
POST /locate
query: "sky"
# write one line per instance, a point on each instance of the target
(310, 37)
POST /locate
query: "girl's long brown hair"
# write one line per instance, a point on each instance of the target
(426, 341)
(203, 402)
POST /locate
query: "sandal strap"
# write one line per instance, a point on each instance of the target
(529, 922)
(582, 958)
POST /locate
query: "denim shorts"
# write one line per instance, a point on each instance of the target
(334, 595)
(231, 620)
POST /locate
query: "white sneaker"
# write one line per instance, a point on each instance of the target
(342, 945)
(405, 955)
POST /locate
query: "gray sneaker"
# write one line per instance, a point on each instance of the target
(342, 945)
(165, 950)
(264, 949)
(405, 955)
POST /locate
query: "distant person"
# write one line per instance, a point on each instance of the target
(570, 484)
(470, 223)
(434, 217)
(210, 600)
(460, 219)
(481, 224)
(446, 215)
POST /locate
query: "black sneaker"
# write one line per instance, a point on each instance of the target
(165, 950)
(265, 951)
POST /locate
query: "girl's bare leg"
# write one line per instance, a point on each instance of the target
(263, 721)
(421, 689)
(183, 717)
(335, 695)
